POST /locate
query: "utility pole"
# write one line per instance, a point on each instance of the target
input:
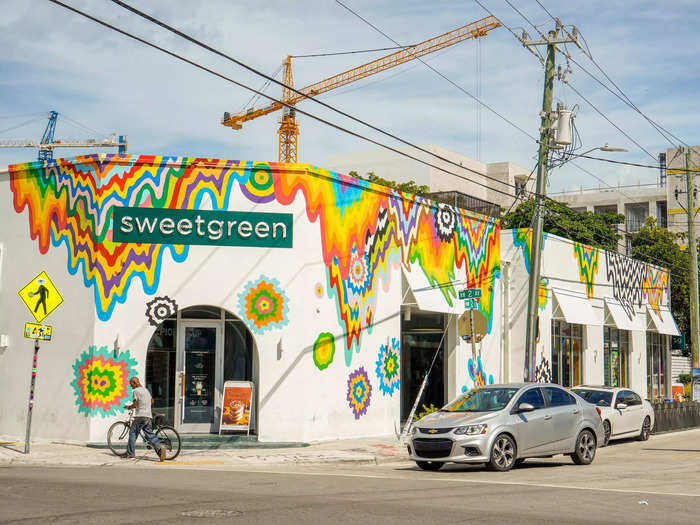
(540, 190)
(693, 254)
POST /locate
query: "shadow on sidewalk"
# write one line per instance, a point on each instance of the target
(14, 446)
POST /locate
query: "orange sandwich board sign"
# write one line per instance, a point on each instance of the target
(41, 296)
(237, 406)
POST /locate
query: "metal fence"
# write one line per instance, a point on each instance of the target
(466, 202)
(676, 416)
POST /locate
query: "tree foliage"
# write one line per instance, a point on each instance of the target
(409, 187)
(659, 246)
(594, 229)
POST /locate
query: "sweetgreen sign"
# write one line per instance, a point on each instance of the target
(212, 228)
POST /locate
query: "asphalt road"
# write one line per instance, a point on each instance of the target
(653, 482)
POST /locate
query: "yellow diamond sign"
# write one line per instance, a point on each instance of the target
(41, 296)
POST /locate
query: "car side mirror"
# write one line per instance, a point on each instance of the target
(525, 407)
(621, 406)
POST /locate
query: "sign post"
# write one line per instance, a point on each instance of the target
(41, 298)
(31, 398)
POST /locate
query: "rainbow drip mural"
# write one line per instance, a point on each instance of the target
(522, 238)
(655, 282)
(101, 381)
(587, 258)
(365, 229)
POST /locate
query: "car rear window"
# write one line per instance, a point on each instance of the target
(597, 397)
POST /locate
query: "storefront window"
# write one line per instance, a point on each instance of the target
(567, 340)
(657, 345)
(615, 356)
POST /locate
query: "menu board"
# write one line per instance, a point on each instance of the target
(237, 406)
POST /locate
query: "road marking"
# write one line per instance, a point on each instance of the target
(189, 462)
(475, 482)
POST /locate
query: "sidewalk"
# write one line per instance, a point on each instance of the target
(359, 451)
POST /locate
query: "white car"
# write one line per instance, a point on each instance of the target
(624, 413)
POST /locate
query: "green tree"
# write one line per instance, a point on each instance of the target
(661, 247)
(594, 229)
(409, 187)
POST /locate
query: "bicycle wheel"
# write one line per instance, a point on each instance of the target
(118, 437)
(170, 439)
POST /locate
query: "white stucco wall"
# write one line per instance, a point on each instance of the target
(561, 270)
(296, 401)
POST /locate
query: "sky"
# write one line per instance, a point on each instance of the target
(101, 82)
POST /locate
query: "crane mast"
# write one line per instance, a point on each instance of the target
(289, 129)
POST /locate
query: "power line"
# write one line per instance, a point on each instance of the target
(577, 91)
(437, 72)
(319, 119)
(624, 98)
(534, 52)
(281, 84)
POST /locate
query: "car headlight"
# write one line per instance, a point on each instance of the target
(471, 430)
(414, 430)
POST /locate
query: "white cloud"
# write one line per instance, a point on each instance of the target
(53, 59)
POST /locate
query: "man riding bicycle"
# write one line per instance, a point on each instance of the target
(142, 420)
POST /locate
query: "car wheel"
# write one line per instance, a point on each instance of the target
(502, 454)
(606, 429)
(585, 448)
(429, 465)
(646, 429)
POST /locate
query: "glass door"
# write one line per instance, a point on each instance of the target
(199, 367)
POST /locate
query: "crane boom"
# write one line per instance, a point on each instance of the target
(473, 30)
(47, 143)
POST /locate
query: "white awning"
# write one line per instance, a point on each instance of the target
(427, 297)
(574, 307)
(619, 316)
(662, 322)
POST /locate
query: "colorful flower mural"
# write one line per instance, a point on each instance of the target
(522, 238)
(359, 392)
(101, 381)
(477, 375)
(263, 305)
(388, 371)
(587, 258)
(324, 350)
(364, 235)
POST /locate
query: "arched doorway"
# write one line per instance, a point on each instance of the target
(189, 358)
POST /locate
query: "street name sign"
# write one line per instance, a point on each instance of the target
(470, 293)
(471, 303)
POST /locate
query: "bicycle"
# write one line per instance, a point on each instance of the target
(118, 436)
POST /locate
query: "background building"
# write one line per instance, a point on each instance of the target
(494, 179)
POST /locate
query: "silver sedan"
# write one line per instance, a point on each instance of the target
(501, 425)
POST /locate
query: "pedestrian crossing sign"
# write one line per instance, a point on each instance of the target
(41, 296)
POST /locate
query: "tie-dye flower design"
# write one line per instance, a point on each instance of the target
(101, 381)
(263, 305)
(359, 392)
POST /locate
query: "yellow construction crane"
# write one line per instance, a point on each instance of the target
(289, 129)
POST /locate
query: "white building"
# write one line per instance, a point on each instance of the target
(665, 201)
(330, 296)
(388, 165)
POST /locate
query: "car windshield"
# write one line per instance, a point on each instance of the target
(597, 397)
(481, 400)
